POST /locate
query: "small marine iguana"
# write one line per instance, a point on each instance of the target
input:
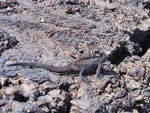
(83, 66)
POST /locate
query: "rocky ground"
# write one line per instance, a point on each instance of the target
(58, 32)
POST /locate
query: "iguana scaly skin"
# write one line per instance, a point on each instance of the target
(82, 66)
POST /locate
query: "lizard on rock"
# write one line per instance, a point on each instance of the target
(83, 66)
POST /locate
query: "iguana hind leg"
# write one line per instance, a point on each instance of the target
(99, 71)
(82, 77)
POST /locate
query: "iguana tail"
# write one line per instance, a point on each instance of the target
(45, 66)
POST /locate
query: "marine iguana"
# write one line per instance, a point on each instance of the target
(83, 66)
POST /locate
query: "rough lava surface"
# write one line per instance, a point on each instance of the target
(58, 32)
